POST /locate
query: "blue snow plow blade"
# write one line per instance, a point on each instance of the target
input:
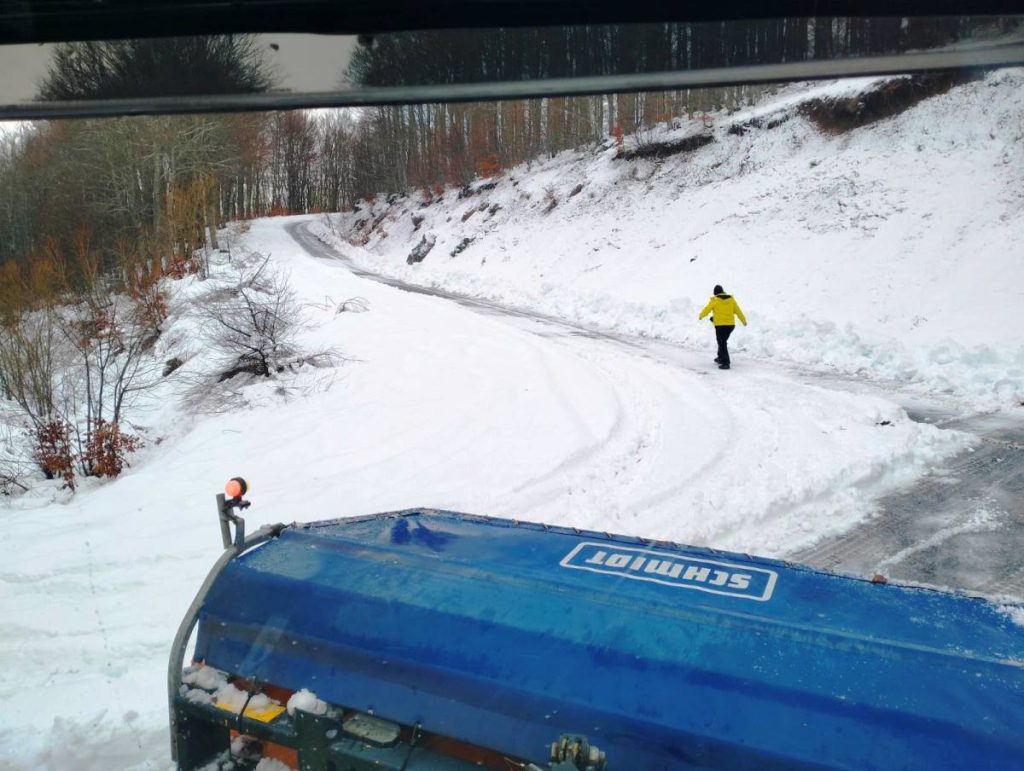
(505, 634)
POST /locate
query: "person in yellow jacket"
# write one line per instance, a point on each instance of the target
(723, 309)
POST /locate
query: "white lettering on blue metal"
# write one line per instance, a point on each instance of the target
(677, 570)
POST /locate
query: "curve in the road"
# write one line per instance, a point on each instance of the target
(960, 526)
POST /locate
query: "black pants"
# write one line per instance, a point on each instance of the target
(722, 333)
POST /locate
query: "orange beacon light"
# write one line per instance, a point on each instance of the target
(236, 488)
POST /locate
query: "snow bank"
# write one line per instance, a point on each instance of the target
(269, 764)
(852, 253)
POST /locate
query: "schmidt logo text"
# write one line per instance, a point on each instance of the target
(677, 570)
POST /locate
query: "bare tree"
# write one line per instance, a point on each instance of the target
(29, 363)
(15, 466)
(111, 339)
(252, 333)
(253, 326)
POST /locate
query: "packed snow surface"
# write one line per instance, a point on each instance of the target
(438, 405)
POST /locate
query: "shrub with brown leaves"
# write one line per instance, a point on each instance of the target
(108, 448)
(53, 451)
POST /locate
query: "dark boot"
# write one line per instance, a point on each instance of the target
(723, 366)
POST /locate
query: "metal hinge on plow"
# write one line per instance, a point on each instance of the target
(574, 753)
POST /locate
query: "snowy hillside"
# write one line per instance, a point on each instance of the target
(894, 250)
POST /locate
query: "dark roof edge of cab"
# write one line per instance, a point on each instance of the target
(43, 21)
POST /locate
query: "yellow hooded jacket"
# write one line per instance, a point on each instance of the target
(724, 309)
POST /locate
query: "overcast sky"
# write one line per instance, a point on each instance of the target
(301, 63)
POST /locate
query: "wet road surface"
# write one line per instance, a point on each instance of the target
(960, 526)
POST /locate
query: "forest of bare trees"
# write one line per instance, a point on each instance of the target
(150, 189)
(466, 56)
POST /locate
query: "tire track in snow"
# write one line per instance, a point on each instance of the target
(635, 454)
(571, 473)
(675, 490)
(585, 456)
(629, 449)
(698, 504)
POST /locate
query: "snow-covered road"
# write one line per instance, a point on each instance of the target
(740, 460)
(961, 525)
(440, 405)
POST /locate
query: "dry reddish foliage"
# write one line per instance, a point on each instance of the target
(181, 266)
(12, 296)
(143, 287)
(95, 326)
(53, 452)
(620, 136)
(108, 448)
(489, 166)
